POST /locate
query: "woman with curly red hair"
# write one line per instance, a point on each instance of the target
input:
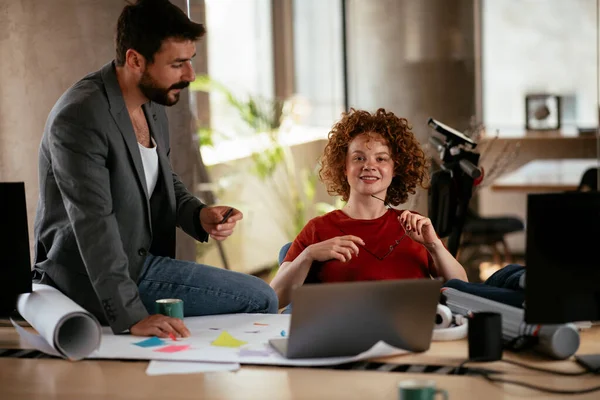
(374, 162)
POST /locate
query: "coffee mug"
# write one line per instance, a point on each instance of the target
(485, 336)
(419, 390)
(170, 307)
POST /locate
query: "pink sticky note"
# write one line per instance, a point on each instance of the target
(173, 348)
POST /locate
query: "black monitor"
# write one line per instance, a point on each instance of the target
(15, 262)
(562, 258)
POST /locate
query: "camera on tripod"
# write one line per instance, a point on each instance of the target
(453, 137)
(452, 185)
(450, 150)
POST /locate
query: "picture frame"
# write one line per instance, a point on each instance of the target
(542, 112)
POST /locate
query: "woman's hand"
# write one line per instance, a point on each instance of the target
(418, 228)
(340, 248)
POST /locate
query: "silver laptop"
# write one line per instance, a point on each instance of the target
(345, 319)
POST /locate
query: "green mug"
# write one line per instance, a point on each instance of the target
(419, 390)
(170, 307)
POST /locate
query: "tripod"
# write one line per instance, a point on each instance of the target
(452, 186)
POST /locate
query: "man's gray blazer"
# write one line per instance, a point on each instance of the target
(93, 226)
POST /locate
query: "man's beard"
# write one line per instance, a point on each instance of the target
(157, 94)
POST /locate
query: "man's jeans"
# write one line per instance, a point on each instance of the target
(204, 290)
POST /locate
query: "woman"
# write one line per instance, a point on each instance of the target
(373, 161)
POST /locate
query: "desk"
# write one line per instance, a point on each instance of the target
(545, 175)
(92, 380)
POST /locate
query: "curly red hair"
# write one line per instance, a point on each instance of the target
(410, 164)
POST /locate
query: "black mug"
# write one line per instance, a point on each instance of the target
(485, 336)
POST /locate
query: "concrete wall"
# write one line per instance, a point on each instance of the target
(45, 46)
(415, 58)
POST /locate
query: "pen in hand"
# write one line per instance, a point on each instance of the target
(227, 214)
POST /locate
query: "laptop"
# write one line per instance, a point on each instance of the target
(345, 319)
(15, 262)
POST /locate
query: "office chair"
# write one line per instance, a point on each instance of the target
(589, 180)
(490, 232)
(445, 200)
(283, 252)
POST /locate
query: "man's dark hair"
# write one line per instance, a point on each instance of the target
(144, 25)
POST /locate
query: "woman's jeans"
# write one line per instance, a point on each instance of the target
(204, 290)
(503, 286)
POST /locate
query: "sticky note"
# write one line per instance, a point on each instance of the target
(226, 340)
(254, 353)
(153, 341)
(173, 348)
(260, 324)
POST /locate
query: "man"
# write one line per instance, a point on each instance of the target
(109, 200)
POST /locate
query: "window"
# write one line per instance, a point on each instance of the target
(318, 59)
(239, 42)
(535, 47)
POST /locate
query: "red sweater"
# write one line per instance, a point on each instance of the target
(407, 260)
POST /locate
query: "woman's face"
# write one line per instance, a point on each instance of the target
(369, 165)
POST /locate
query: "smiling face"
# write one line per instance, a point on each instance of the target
(169, 73)
(369, 165)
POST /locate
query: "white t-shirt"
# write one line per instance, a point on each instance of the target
(150, 162)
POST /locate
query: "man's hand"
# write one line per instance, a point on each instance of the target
(216, 221)
(160, 325)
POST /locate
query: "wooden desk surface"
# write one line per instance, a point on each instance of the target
(545, 175)
(91, 380)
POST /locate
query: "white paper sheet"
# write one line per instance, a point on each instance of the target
(65, 329)
(254, 329)
(187, 367)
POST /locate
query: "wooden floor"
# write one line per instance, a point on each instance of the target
(90, 380)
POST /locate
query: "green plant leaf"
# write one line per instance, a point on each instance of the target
(205, 137)
(309, 184)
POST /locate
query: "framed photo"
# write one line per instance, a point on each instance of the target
(542, 112)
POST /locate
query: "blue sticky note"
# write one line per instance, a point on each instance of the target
(153, 341)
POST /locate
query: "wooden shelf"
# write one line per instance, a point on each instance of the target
(536, 135)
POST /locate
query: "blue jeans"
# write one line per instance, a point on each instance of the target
(503, 286)
(204, 290)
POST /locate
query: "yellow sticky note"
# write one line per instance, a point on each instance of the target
(226, 340)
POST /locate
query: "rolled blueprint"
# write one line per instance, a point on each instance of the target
(65, 329)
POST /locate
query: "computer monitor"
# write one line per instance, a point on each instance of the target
(562, 258)
(15, 262)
